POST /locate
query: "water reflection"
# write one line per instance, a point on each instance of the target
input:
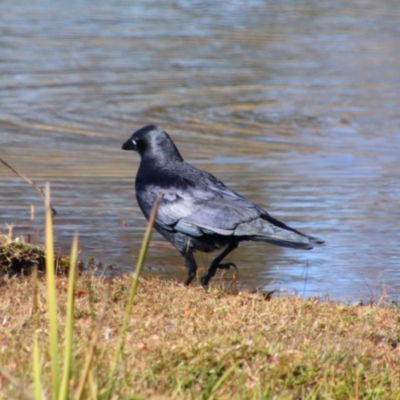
(294, 107)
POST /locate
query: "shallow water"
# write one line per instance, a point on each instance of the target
(294, 106)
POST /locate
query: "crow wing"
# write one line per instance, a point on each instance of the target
(196, 211)
(216, 210)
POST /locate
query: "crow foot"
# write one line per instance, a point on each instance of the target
(227, 266)
(190, 279)
(211, 272)
(191, 267)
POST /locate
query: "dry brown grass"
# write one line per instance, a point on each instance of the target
(185, 343)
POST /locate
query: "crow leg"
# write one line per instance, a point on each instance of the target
(191, 266)
(216, 264)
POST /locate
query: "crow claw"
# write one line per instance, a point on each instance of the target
(227, 266)
(211, 272)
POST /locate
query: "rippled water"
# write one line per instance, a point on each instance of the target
(294, 106)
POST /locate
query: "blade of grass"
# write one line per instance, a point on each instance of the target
(26, 179)
(90, 353)
(221, 381)
(37, 370)
(69, 325)
(51, 296)
(132, 293)
(35, 302)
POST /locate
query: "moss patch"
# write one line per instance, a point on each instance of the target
(17, 256)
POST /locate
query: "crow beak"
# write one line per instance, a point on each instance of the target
(130, 144)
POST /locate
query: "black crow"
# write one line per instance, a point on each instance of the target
(196, 210)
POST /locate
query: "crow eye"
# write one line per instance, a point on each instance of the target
(140, 145)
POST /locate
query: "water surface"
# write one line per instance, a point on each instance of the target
(294, 106)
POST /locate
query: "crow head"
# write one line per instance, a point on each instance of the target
(151, 142)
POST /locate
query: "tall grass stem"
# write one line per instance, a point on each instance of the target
(132, 293)
(37, 370)
(69, 326)
(51, 296)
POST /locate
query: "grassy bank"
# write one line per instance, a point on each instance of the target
(185, 343)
